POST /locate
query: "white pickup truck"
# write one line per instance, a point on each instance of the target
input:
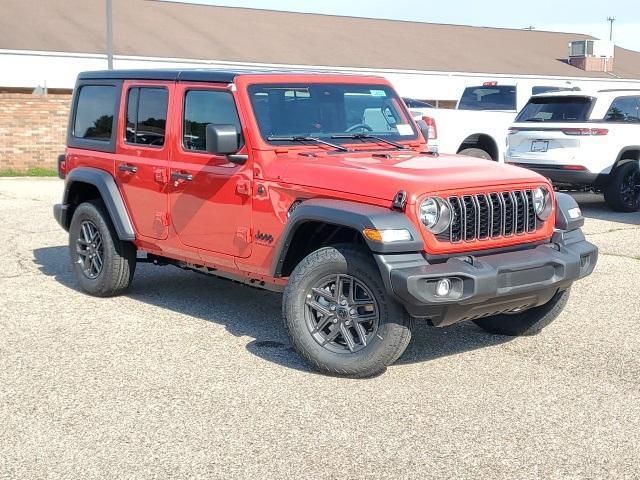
(478, 125)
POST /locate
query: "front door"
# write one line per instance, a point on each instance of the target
(210, 199)
(142, 165)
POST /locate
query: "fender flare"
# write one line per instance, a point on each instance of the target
(110, 194)
(619, 161)
(353, 215)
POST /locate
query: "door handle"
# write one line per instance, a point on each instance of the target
(185, 177)
(127, 168)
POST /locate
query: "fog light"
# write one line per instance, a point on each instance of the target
(443, 287)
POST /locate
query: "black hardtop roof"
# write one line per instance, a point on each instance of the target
(195, 75)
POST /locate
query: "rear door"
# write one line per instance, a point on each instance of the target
(142, 155)
(210, 199)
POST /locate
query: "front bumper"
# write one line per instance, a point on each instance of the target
(491, 284)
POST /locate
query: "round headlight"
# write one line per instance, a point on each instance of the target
(542, 203)
(435, 214)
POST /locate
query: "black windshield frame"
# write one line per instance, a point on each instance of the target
(390, 96)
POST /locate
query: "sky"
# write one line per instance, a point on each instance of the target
(586, 16)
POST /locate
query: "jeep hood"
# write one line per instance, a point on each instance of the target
(382, 176)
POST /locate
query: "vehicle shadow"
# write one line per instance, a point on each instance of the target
(254, 313)
(593, 206)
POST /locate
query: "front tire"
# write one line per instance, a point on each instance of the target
(103, 264)
(622, 193)
(339, 317)
(529, 322)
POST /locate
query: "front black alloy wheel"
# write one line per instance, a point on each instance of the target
(339, 316)
(341, 313)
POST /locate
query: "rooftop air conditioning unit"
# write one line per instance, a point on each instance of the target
(592, 55)
(591, 48)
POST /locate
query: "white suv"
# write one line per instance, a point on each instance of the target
(579, 139)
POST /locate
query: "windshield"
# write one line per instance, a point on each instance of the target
(497, 97)
(334, 112)
(556, 109)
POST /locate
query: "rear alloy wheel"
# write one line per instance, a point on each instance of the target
(623, 192)
(339, 316)
(90, 249)
(103, 264)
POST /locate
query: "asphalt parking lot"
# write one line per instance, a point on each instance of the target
(189, 376)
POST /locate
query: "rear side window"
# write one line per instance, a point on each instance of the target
(147, 116)
(498, 97)
(624, 109)
(202, 107)
(95, 112)
(556, 109)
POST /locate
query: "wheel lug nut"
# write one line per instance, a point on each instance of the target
(335, 320)
(343, 302)
(352, 311)
(347, 323)
(332, 308)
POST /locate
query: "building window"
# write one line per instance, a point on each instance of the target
(202, 107)
(95, 111)
(147, 116)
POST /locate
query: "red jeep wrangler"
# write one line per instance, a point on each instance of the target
(318, 185)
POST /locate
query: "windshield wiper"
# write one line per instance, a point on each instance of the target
(535, 120)
(303, 138)
(363, 136)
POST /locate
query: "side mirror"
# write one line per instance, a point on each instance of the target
(222, 139)
(424, 129)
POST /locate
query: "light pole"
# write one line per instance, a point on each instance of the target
(109, 36)
(611, 20)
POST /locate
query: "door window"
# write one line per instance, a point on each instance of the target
(624, 109)
(147, 116)
(202, 107)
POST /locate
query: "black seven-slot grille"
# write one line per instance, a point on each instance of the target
(482, 216)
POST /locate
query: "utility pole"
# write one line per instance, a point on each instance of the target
(109, 36)
(611, 20)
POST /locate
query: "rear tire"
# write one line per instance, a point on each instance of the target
(623, 191)
(370, 330)
(475, 152)
(529, 322)
(103, 264)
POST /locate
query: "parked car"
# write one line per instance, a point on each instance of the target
(582, 140)
(478, 125)
(317, 186)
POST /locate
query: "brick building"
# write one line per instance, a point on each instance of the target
(48, 43)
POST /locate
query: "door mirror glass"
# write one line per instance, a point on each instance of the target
(222, 139)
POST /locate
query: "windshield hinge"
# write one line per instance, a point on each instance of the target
(399, 201)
